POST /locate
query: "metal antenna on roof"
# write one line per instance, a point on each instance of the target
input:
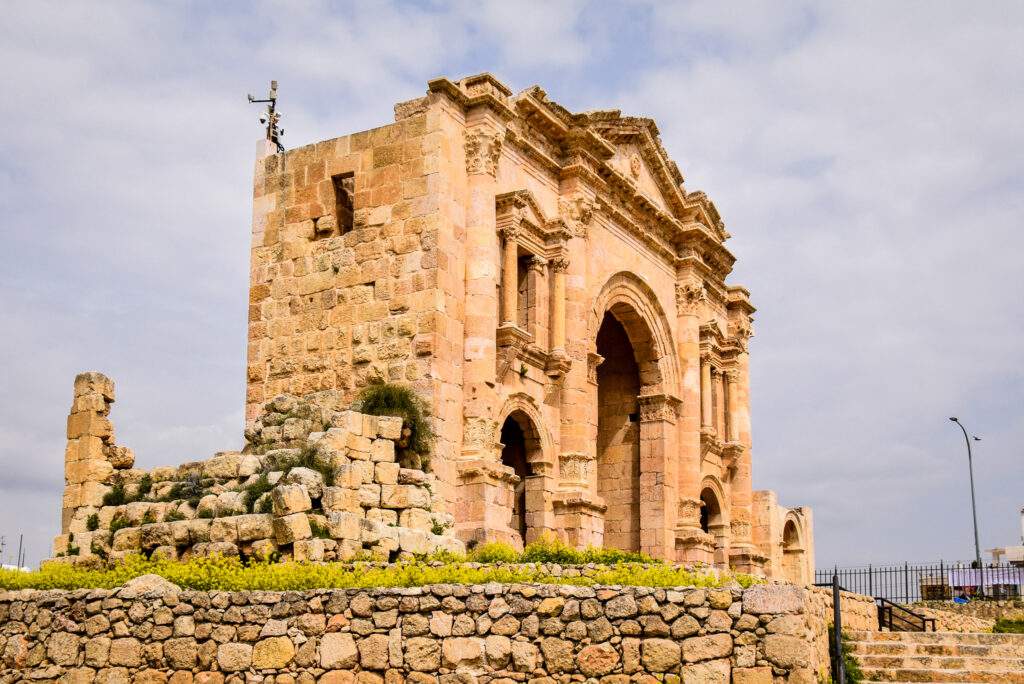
(271, 117)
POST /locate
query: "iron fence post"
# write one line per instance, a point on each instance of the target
(837, 632)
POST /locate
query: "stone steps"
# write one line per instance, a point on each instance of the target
(947, 657)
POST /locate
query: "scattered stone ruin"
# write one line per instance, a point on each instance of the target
(313, 483)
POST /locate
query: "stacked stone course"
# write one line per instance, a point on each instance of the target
(334, 488)
(440, 634)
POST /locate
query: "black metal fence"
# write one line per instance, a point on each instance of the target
(940, 581)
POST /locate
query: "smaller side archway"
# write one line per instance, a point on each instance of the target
(523, 451)
(714, 519)
(793, 565)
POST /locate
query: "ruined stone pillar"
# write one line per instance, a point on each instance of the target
(510, 277)
(90, 459)
(718, 393)
(559, 266)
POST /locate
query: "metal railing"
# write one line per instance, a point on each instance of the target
(896, 618)
(942, 581)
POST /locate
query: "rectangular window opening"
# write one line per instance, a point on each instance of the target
(344, 204)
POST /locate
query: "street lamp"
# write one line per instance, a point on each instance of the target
(974, 509)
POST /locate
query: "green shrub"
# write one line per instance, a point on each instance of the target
(232, 574)
(254, 491)
(206, 514)
(119, 522)
(98, 549)
(149, 517)
(308, 459)
(92, 523)
(550, 549)
(1004, 626)
(145, 485)
(190, 489)
(266, 506)
(494, 552)
(852, 667)
(116, 496)
(389, 399)
(318, 530)
(174, 516)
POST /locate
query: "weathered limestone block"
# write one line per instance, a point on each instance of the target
(708, 647)
(785, 650)
(338, 651)
(308, 550)
(290, 499)
(234, 657)
(464, 652)
(345, 525)
(404, 496)
(311, 480)
(660, 655)
(223, 466)
(773, 598)
(272, 653)
(597, 660)
(709, 672)
(291, 528)
(254, 526)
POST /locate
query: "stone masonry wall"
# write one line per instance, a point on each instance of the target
(441, 634)
(314, 483)
(858, 614)
(1011, 609)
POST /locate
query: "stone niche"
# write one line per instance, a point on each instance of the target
(314, 483)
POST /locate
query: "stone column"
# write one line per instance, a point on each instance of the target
(482, 481)
(706, 416)
(718, 392)
(483, 147)
(691, 543)
(559, 265)
(732, 412)
(539, 305)
(658, 475)
(510, 277)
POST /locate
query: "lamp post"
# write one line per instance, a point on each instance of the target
(974, 509)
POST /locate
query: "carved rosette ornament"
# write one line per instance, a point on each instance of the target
(689, 296)
(482, 152)
(577, 211)
(634, 166)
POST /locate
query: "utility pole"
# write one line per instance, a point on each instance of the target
(271, 117)
(21, 539)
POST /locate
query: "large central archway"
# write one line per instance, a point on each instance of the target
(618, 435)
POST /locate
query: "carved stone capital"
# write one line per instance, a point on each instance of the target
(742, 331)
(575, 468)
(538, 264)
(577, 211)
(509, 232)
(560, 264)
(593, 361)
(482, 152)
(655, 407)
(689, 297)
(689, 512)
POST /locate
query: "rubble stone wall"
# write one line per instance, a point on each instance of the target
(441, 633)
(314, 483)
(1007, 609)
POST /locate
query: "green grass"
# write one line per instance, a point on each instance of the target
(1004, 626)
(231, 574)
(254, 491)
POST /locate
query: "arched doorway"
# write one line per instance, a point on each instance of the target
(792, 553)
(523, 452)
(618, 435)
(712, 521)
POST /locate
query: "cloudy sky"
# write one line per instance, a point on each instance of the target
(867, 157)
